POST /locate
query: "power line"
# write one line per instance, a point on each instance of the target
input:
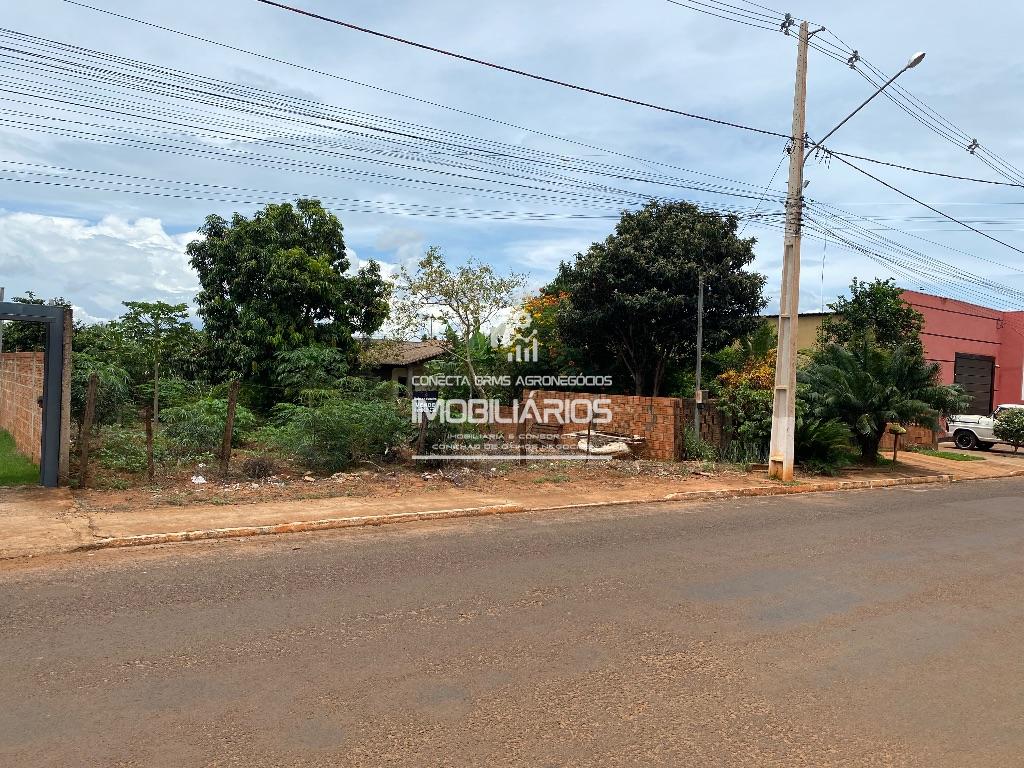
(552, 157)
(520, 72)
(929, 207)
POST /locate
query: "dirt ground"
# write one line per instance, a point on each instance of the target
(290, 484)
(202, 483)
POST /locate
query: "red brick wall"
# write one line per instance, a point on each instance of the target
(21, 385)
(656, 419)
(921, 436)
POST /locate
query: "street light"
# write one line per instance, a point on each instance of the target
(916, 59)
(781, 451)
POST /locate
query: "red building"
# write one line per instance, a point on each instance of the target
(979, 348)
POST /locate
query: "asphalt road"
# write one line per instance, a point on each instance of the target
(872, 628)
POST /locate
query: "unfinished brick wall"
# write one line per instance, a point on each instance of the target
(21, 386)
(656, 419)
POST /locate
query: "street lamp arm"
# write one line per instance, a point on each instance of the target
(914, 61)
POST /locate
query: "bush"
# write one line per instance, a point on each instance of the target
(749, 410)
(113, 390)
(197, 429)
(1009, 427)
(697, 448)
(259, 467)
(124, 449)
(822, 446)
(335, 433)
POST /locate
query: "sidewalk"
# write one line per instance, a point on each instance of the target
(36, 521)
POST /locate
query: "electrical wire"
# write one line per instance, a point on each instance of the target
(522, 73)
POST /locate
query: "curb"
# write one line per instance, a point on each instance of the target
(141, 540)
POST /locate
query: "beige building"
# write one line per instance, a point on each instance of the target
(806, 329)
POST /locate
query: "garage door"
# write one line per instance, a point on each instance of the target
(974, 373)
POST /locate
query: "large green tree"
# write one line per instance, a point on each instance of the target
(875, 307)
(280, 281)
(631, 300)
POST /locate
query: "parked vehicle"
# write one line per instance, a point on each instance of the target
(974, 432)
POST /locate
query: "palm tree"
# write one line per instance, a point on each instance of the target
(867, 387)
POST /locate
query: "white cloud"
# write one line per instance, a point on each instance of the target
(95, 265)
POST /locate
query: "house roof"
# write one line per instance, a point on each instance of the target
(388, 352)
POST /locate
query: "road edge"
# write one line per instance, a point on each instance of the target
(301, 526)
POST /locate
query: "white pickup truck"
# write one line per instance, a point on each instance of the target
(971, 432)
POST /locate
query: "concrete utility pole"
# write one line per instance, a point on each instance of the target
(697, 399)
(780, 453)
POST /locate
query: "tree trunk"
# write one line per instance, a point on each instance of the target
(156, 392)
(472, 371)
(869, 448)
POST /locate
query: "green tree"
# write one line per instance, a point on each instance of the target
(467, 299)
(1009, 427)
(155, 327)
(309, 368)
(632, 299)
(25, 336)
(281, 281)
(876, 307)
(867, 386)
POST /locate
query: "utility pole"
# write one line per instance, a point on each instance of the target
(780, 453)
(697, 397)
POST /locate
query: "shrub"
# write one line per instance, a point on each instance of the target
(822, 446)
(1009, 427)
(259, 467)
(124, 449)
(749, 410)
(113, 390)
(198, 428)
(176, 392)
(697, 448)
(335, 433)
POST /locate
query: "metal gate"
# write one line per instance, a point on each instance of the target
(53, 378)
(975, 373)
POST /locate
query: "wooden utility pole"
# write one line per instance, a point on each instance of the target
(781, 451)
(229, 428)
(85, 434)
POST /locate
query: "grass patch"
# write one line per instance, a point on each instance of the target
(951, 455)
(15, 469)
(553, 477)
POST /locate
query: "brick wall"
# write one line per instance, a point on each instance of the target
(656, 419)
(922, 436)
(21, 386)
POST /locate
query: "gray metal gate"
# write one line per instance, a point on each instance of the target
(53, 375)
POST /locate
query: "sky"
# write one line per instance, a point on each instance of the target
(98, 245)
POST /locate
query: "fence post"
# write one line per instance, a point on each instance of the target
(148, 416)
(86, 430)
(421, 438)
(229, 428)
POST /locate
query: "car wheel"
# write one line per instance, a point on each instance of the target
(965, 440)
